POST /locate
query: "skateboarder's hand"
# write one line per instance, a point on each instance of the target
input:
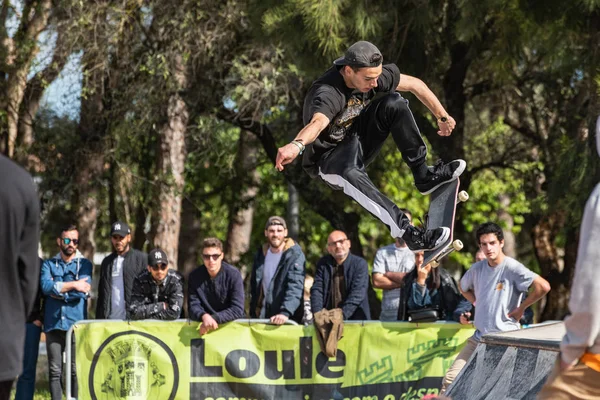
(286, 155)
(516, 314)
(447, 127)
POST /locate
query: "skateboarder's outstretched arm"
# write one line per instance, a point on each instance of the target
(417, 87)
(307, 135)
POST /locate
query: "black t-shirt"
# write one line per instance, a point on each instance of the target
(330, 96)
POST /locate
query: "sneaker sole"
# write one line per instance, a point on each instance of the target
(442, 239)
(462, 165)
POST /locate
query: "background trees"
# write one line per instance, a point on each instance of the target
(182, 110)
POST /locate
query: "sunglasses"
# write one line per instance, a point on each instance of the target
(69, 240)
(162, 267)
(213, 257)
(340, 242)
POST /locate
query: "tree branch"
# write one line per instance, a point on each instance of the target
(262, 131)
(522, 129)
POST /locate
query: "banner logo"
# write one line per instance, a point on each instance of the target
(134, 365)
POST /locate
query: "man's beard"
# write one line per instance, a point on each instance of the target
(67, 251)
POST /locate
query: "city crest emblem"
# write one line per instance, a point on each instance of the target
(134, 365)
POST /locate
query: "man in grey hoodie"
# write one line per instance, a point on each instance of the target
(577, 370)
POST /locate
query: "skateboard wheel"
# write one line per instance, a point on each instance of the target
(435, 264)
(463, 196)
(458, 245)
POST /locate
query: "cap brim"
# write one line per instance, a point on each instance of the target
(340, 61)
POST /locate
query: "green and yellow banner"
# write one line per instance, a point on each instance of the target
(169, 360)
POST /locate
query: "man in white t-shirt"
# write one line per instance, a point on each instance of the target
(277, 281)
(390, 266)
(499, 284)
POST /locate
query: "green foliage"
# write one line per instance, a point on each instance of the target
(530, 85)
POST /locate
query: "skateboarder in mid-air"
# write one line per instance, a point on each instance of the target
(345, 127)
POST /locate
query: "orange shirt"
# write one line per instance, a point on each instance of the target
(591, 360)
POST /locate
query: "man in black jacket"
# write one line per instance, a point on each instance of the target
(277, 281)
(157, 292)
(33, 332)
(215, 289)
(341, 280)
(20, 267)
(117, 272)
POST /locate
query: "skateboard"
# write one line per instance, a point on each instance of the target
(442, 210)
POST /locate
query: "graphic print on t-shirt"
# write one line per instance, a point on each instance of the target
(341, 124)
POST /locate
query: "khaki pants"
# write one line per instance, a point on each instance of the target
(459, 363)
(578, 382)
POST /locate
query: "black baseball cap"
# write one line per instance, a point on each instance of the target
(120, 228)
(157, 257)
(361, 54)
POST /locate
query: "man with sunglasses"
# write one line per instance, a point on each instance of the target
(215, 289)
(65, 280)
(341, 280)
(277, 281)
(158, 291)
(117, 273)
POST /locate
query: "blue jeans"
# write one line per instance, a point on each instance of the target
(26, 382)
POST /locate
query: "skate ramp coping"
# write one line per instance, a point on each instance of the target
(510, 365)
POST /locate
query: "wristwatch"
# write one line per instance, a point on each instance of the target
(444, 119)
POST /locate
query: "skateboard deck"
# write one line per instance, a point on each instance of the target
(442, 212)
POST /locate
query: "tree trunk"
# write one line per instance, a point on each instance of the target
(189, 238)
(25, 47)
(543, 235)
(242, 207)
(32, 98)
(507, 219)
(166, 217)
(293, 212)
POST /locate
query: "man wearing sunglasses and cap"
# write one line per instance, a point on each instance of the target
(158, 291)
(117, 273)
(346, 126)
(65, 280)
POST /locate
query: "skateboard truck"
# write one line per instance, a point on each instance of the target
(457, 245)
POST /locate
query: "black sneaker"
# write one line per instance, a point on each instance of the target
(439, 174)
(419, 239)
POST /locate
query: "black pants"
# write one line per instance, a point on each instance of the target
(344, 166)
(5, 388)
(56, 345)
